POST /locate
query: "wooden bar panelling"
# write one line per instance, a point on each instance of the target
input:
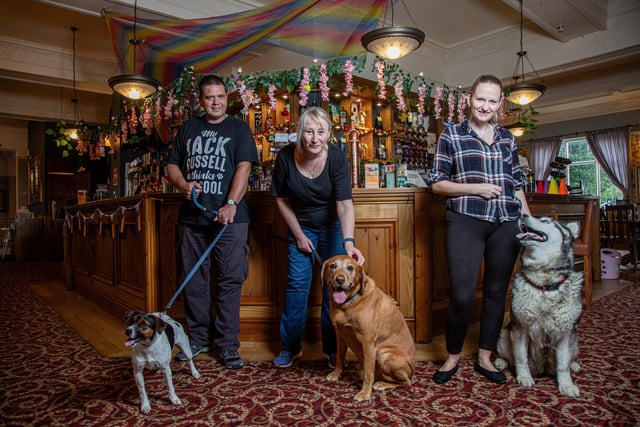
(401, 232)
(138, 269)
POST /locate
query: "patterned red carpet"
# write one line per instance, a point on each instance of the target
(50, 376)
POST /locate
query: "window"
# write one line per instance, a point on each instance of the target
(585, 169)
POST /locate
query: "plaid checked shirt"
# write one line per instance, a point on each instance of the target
(461, 156)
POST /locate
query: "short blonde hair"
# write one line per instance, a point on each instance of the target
(316, 113)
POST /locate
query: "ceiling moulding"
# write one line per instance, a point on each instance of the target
(629, 101)
(594, 61)
(565, 20)
(47, 62)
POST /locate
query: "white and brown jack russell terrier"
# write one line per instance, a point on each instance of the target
(152, 336)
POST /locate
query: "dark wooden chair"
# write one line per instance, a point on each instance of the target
(582, 247)
(621, 226)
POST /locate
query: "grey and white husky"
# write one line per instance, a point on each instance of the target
(546, 306)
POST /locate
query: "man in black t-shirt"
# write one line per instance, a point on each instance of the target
(213, 154)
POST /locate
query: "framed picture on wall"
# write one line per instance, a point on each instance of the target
(35, 178)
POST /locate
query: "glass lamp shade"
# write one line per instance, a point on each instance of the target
(134, 86)
(525, 93)
(516, 129)
(393, 42)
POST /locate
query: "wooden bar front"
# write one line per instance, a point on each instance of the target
(129, 262)
(122, 255)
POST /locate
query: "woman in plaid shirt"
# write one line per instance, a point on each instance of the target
(476, 167)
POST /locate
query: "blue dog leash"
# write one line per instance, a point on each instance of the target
(204, 255)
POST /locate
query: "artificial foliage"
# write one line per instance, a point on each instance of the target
(171, 105)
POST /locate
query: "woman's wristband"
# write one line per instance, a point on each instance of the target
(349, 239)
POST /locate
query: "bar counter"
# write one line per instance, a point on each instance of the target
(121, 254)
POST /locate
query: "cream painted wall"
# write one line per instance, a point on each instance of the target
(14, 136)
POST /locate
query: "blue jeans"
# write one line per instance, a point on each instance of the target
(328, 242)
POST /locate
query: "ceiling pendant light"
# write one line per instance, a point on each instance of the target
(516, 129)
(392, 42)
(134, 86)
(72, 132)
(522, 93)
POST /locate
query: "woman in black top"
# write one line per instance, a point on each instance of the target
(312, 186)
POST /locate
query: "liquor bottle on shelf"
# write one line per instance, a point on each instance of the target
(381, 151)
(343, 118)
(378, 124)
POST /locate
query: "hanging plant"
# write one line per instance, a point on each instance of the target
(527, 119)
(62, 137)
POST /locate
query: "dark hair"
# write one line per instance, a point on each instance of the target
(210, 80)
(486, 78)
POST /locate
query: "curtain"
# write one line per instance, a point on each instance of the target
(543, 152)
(610, 147)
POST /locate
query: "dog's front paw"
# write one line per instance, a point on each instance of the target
(194, 372)
(362, 396)
(569, 390)
(176, 400)
(575, 367)
(145, 408)
(525, 381)
(334, 375)
(500, 364)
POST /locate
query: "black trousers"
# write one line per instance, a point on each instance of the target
(230, 255)
(468, 242)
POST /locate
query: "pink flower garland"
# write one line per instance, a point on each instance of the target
(452, 107)
(169, 105)
(437, 102)
(382, 92)
(501, 112)
(399, 95)
(462, 104)
(247, 95)
(272, 97)
(422, 93)
(348, 77)
(147, 120)
(304, 87)
(99, 150)
(124, 132)
(322, 83)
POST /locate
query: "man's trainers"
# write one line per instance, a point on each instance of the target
(195, 350)
(230, 359)
(331, 359)
(285, 359)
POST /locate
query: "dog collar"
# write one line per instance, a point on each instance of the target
(551, 287)
(352, 297)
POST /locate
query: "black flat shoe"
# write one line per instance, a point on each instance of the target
(441, 377)
(493, 376)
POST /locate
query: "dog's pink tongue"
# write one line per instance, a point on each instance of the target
(130, 343)
(339, 297)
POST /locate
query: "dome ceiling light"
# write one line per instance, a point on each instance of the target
(134, 86)
(520, 92)
(393, 42)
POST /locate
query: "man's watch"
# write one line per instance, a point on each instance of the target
(231, 202)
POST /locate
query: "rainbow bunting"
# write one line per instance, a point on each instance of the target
(317, 28)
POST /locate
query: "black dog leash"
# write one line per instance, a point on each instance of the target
(204, 255)
(316, 257)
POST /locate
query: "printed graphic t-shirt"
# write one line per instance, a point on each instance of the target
(208, 153)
